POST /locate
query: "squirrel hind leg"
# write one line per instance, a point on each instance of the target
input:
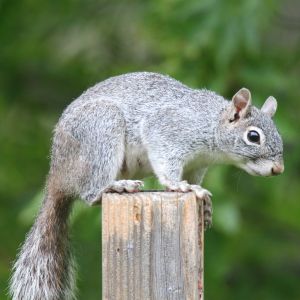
(103, 164)
(97, 155)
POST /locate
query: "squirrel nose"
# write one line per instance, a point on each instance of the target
(277, 169)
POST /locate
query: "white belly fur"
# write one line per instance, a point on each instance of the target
(136, 164)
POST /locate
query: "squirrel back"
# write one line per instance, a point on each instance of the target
(194, 116)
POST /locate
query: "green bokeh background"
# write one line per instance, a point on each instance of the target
(50, 51)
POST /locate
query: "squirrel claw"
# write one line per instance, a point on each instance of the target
(207, 212)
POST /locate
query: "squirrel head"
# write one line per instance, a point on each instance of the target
(248, 136)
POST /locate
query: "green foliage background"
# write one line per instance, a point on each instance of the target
(50, 51)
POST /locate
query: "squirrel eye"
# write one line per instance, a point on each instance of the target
(253, 136)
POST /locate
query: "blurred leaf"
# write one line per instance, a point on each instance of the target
(226, 217)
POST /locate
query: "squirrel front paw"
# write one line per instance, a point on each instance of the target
(129, 186)
(201, 194)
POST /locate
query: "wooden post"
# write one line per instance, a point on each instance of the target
(152, 246)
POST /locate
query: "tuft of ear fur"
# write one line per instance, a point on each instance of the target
(241, 102)
(270, 106)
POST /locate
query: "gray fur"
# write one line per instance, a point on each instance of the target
(131, 126)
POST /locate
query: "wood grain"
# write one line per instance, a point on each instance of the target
(152, 246)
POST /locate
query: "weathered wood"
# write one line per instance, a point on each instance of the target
(152, 246)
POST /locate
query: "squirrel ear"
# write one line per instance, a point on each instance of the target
(241, 102)
(270, 106)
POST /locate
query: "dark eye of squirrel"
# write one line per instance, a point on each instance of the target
(253, 136)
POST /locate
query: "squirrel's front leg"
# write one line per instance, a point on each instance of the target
(169, 173)
(164, 135)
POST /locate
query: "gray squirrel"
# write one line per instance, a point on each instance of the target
(128, 127)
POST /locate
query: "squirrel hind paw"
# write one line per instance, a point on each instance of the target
(129, 186)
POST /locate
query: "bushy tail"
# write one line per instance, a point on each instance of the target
(45, 267)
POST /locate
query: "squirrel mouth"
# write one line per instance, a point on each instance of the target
(264, 168)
